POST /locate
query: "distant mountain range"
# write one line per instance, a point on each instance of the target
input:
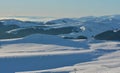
(102, 28)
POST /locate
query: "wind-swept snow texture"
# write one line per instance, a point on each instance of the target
(40, 47)
(42, 52)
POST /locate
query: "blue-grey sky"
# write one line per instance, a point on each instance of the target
(59, 8)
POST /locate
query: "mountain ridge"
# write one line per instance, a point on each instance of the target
(88, 27)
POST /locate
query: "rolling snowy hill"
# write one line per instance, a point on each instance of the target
(48, 53)
(66, 45)
(87, 27)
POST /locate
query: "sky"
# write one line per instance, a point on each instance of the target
(59, 8)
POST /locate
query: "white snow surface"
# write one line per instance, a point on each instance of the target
(40, 53)
(89, 26)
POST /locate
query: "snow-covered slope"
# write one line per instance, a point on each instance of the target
(26, 53)
(48, 53)
(38, 46)
(66, 27)
(110, 64)
(101, 56)
(19, 23)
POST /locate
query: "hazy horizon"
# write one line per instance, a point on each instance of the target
(59, 8)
